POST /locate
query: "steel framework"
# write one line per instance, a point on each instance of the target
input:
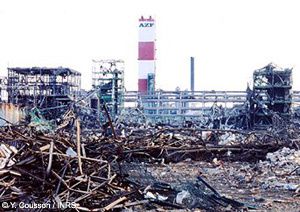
(108, 79)
(271, 95)
(42, 87)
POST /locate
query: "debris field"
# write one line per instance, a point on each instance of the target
(150, 168)
(77, 151)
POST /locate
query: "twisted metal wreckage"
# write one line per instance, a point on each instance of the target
(82, 159)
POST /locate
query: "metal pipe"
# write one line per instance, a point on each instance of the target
(192, 75)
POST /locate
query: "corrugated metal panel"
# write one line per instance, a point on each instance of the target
(146, 51)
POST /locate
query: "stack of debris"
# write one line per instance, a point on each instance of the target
(90, 168)
(87, 173)
(285, 166)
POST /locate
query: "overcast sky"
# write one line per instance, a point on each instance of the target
(229, 39)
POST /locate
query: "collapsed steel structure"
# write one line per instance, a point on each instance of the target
(46, 88)
(271, 96)
(267, 104)
(108, 85)
(132, 168)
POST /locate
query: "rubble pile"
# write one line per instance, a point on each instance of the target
(176, 144)
(285, 157)
(60, 168)
(285, 167)
(90, 169)
(53, 169)
(242, 181)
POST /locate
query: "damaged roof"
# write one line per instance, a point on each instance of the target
(59, 71)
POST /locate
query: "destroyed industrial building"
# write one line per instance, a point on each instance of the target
(208, 150)
(271, 95)
(43, 87)
(109, 149)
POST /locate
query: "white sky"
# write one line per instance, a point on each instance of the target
(229, 39)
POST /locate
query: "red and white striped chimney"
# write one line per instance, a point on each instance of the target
(146, 57)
